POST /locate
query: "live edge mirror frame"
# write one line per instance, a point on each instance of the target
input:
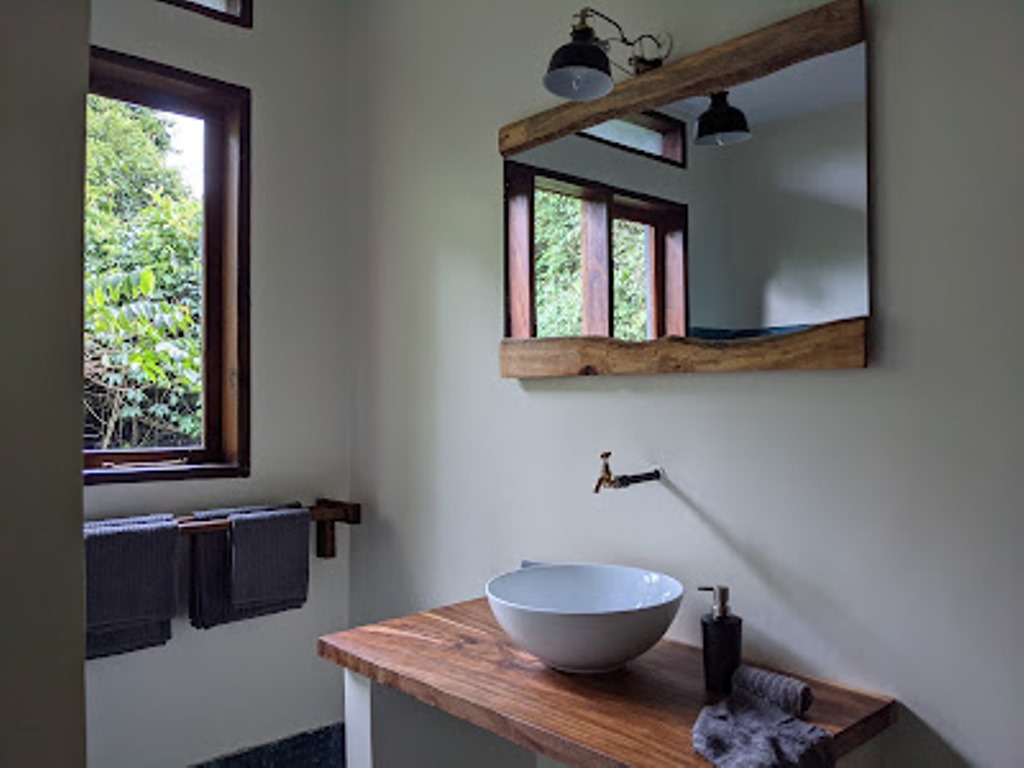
(833, 345)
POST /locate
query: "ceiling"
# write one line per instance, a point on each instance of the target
(809, 86)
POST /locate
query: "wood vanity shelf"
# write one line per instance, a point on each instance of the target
(458, 659)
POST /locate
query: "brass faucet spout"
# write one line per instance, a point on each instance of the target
(606, 479)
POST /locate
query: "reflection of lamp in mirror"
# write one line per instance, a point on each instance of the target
(721, 124)
(580, 69)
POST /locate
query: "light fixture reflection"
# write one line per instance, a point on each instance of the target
(721, 124)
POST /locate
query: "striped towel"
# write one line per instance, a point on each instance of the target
(131, 583)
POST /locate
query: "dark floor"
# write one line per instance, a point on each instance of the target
(322, 748)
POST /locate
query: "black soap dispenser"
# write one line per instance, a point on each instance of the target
(723, 637)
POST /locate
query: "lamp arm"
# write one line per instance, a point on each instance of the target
(593, 11)
(588, 11)
(653, 39)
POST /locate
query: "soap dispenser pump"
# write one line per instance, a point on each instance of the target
(723, 636)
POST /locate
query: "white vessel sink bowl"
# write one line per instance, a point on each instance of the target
(584, 618)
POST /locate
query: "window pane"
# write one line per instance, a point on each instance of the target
(143, 277)
(630, 243)
(234, 7)
(558, 264)
(628, 134)
(227, 6)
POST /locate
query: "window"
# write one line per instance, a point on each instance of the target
(166, 316)
(237, 12)
(651, 134)
(584, 259)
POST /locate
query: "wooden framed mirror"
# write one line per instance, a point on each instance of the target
(696, 258)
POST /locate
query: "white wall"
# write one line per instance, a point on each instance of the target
(43, 69)
(868, 521)
(798, 209)
(210, 692)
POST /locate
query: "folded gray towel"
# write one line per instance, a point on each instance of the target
(210, 591)
(210, 602)
(787, 693)
(222, 512)
(126, 638)
(269, 557)
(745, 731)
(131, 584)
(121, 521)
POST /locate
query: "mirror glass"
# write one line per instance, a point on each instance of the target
(776, 236)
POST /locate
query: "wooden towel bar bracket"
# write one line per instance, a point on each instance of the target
(327, 512)
(324, 513)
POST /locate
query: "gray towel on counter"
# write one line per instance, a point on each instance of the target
(787, 693)
(210, 596)
(130, 578)
(746, 731)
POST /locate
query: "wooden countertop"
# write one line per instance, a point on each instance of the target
(458, 659)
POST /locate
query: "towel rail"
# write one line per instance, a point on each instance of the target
(324, 514)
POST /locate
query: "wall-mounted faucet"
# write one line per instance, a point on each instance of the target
(608, 480)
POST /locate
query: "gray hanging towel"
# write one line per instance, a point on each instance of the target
(210, 602)
(122, 521)
(125, 638)
(130, 582)
(269, 558)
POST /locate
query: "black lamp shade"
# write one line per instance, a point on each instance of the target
(579, 70)
(721, 124)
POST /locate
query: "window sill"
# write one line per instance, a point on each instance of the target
(139, 473)
(836, 345)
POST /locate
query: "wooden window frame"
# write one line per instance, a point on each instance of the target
(225, 109)
(602, 204)
(673, 137)
(241, 19)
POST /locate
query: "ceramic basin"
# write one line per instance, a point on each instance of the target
(584, 618)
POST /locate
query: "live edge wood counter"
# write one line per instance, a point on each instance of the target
(458, 659)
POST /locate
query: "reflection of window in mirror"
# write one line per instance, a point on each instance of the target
(633, 248)
(238, 12)
(651, 134)
(558, 263)
(585, 259)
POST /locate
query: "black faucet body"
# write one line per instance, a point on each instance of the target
(609, 480)
(624, 481)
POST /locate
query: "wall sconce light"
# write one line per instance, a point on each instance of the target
(580, 69)
(721, 124)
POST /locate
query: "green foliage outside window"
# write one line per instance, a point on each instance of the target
(629, 270)
(558, 275)
(143, 285)
(558, 264)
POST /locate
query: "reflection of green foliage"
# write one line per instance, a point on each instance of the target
(629, 264)
(558, 264)
(143, 285)
(558, 270)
